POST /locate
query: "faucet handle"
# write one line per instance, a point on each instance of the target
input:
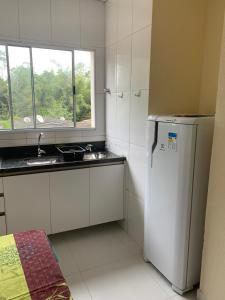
(89, 147)
(41, 151)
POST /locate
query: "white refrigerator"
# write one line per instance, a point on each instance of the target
(179, 152)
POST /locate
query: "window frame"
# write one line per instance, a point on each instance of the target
(51, 47)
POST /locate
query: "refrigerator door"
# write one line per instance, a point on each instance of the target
(168, 201)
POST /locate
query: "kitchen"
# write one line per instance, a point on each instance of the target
(81, 77)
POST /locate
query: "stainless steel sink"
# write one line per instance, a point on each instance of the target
(39, 161)
(94, 156)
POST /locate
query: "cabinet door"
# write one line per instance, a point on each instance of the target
(2, 225)
(106, 194)
(27, 202)
(69, 194)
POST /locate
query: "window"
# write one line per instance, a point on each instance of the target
(5, 120)
(46, 88)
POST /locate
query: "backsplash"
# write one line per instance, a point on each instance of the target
(12, 139)
(21, 151)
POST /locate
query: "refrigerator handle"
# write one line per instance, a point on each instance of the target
(155, 141)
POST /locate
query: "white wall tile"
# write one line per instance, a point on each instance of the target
(9, 19)
(138, 118)
(35, 135)
(47, 138)
(124, 65)
(12, 135)
(120, 147)
(135, 218)
(111, 68)
(65, 140)
(92, 23)
(93, 138)
(123, 117)
(65, 21)
(111, 26)
(124, 18)
(58, 22)
(35, 21)
(137, 170)
(141, 59)
(13, 143)
(111, 127)
(132, 77)
(142, 14)
(44, 141)
(68, 133)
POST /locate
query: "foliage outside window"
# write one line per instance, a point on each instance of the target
(46, 88)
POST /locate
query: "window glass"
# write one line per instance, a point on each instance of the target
(84, 82)
(20, 75)
(53, 88)
(45, 89)
(5, 120)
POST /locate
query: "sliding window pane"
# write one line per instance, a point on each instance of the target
(53, 87)
(5, 120)
(84, 82)
(20, 74)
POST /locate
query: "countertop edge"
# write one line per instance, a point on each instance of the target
(61, 167)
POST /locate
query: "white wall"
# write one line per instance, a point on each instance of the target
(212, 285)
(128, 36)
(76, 23)
(211, 58)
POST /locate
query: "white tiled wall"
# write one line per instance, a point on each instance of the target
(128, 39)
(64, 23)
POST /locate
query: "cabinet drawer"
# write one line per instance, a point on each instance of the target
(1, 186)
(2, 204)
(2, 225)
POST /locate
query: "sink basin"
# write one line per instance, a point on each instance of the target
(94, 156)
(39, 161)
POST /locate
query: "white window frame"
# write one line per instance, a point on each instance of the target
(52, 47)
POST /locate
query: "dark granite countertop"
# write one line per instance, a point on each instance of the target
(14, 161)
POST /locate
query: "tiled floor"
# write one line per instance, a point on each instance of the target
(103, 263)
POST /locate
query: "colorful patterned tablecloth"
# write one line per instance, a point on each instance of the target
(29, 270)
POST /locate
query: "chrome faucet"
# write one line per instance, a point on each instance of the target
(89, 147)
(40, 151)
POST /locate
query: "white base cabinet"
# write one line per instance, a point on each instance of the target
(1, 186)
(27, 204)
(2, 225)
(106, 194)
(70, 200)
(64, 200)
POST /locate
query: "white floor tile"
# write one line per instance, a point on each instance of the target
(188, 296)
(103, 262)
(77, 287)
(162, 281)
(124, 280)
(67, 261)
(100, 245)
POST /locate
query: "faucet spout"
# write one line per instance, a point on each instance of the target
(40, 151)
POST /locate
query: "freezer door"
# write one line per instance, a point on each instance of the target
(168, 200)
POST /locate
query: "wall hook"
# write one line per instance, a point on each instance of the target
(107, 91)
(138, 93)
(120, 95)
